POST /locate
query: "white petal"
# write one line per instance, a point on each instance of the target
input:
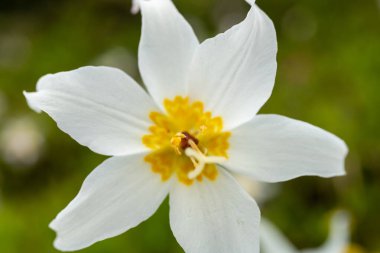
(339, 235)
(118, 195)
(166, 49)
(259, 190)
(100, 107)
(214, 216)
(275, 148)
(272, 240)
(234, 72)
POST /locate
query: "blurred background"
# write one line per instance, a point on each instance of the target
(328, 75)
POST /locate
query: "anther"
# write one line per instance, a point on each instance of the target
(203, 128)
(175, 141)
(183, 140)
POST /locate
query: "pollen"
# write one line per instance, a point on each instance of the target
(186, 141)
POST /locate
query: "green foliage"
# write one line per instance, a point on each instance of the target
(328, 75)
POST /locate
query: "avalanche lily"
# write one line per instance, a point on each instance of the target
(273, 241)
(198, 121)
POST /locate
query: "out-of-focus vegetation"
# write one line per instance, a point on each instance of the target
(328, 75)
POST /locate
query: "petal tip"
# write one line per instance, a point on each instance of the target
(30, 99)
(135, 9)
(62, 244)
(53, 225)
(137, 5)
(251, 2)
(59, 245)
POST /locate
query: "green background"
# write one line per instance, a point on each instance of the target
(328, 75)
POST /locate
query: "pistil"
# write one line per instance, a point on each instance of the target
(201, 161)
(188, 143)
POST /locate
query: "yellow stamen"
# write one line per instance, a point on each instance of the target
(178, 137)
(176, 142)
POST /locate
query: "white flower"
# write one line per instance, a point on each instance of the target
(21, 142)
(273, 241)
(170, 143)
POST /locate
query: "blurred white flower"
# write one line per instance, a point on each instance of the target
(21, 142)
(199, 123)
(273, 241)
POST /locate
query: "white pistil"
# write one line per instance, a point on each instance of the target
(202, 160)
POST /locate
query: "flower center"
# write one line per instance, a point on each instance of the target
(186, 141)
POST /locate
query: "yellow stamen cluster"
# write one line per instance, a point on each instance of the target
(167, 138)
